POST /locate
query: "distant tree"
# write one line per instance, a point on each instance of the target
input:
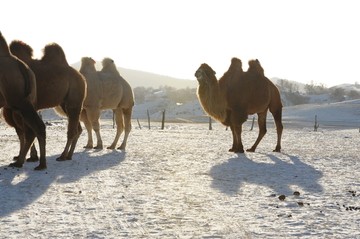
(316, 89)
(353, 94)
(357, 85)
(294, 98)
(141, 92)
(337, 94)
(287, 86)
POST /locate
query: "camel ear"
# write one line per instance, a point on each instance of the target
(214, 72)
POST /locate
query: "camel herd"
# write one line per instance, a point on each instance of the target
(28, 85)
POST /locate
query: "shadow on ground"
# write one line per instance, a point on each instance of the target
(21, 187)
(266, 170)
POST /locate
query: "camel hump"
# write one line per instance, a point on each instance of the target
(21, 50)
(255, 67)
(108, 65)
(235, 65)
(53, 53)
(4, 49)
(88, 61)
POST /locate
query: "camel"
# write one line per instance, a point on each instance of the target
(58, 84)
(17, 97)
(106, 90)
(238, 94)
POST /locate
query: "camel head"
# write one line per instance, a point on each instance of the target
(21, 50)
(205, 74)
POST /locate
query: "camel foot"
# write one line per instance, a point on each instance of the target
(277, 150)
(40, 167)
(98, 147)
(239, 151)
(88, 147)
(121, 148)
(111, 147)
(60, 159)
(250, 150)
(33, 159)
(16, 165)
(231, 150)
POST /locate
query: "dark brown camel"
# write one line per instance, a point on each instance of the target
(58, 84)
(17, 97)
(239, 94)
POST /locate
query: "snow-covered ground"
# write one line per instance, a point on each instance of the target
(181, 182)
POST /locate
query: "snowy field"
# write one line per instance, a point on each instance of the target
(181, 182)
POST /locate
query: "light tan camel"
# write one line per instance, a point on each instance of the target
(239, 94)
(17, 97)
(106, 90)
(58, 84)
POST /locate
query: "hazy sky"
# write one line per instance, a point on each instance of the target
(307, 40)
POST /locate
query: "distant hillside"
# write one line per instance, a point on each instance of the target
(146, 79)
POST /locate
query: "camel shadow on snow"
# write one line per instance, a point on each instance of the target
(17, 194)
(280, 175)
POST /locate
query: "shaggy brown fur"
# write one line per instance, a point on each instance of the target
(58, 84)
(106, 90)
(239, 94)
(17, 97)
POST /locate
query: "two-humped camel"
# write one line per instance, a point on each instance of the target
(238, 94)
(17, 97)
(106, 90)
(58, 84)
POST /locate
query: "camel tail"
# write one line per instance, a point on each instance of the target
(255, 67)
(27, 78)
(53, 53)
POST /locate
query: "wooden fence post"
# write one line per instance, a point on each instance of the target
(148, 115)
(316, 125)
(252, 125)
(163, 120)
(138, 123)
(113, 118)
(210, 123)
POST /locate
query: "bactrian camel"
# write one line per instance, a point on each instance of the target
(238, 94)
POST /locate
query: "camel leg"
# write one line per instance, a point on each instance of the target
(33, 126)
(238, 148)
(11, 119)
(94, 115)
(279, 128)
(127, 121)
(262, 130)
(88, 126)
(232, 149)
(33, 154)
(73, 145)
(119, 119)
(36, 128)
(237, 119)
(72, 132)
